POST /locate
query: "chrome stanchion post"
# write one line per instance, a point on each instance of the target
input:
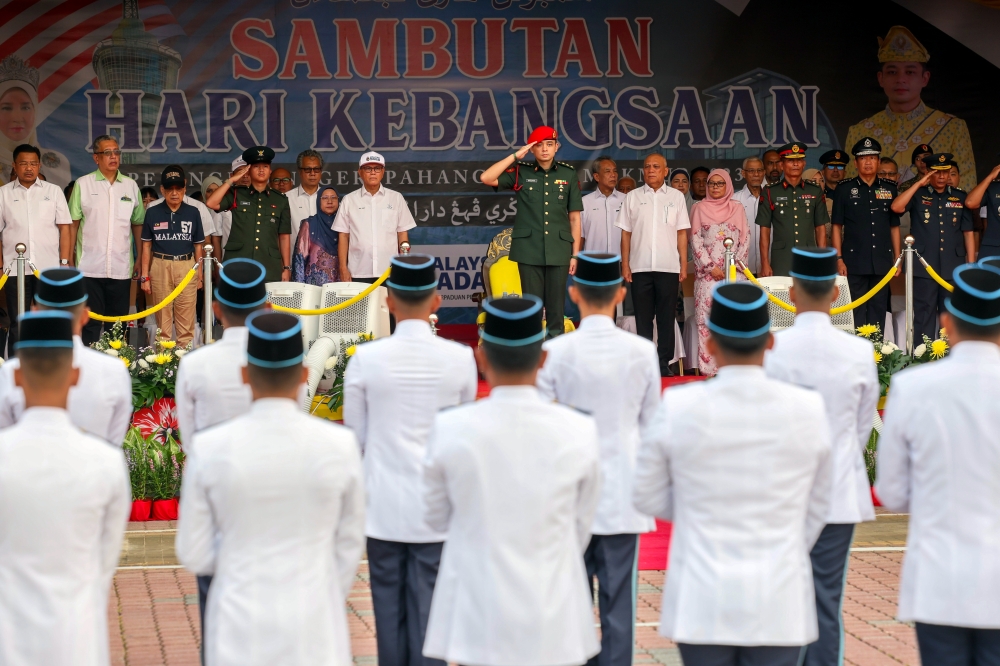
(729, 259)
(433, 319)
(908, 253)
(22, 262)
(206, 278)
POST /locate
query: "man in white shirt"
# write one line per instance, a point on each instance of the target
(654, 223)
(600, 210)
(302, 199)
(614, 376)
(33, 212)
(939, 460)
(514, 480)
(273, 506)
(105, 206)
(749, 196)
(64, 504)
(417, 374)
(815, 355)
(372, 221)
(210, 387)
(101, 401)
(741, 466)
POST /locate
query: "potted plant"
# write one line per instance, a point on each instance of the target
(167, 464)
(154, 372)
(330, 405)
(140, 473)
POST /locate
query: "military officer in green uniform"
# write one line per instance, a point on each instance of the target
(793, 210)
(546, 235)
(262, 224)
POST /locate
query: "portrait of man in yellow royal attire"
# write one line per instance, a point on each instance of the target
(906, 122)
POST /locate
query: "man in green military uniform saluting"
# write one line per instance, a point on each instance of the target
(546, 235)
(793, 211)
(262, 224)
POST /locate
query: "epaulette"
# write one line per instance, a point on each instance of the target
(568, 166)
(526, 164)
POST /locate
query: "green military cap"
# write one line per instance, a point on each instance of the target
(833, 158)
(258, 155)
(793, 151)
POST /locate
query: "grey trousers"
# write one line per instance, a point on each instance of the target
(735, 655)
(612, 560)
(829, 564)
(402, 581)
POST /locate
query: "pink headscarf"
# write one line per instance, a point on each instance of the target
(723, 210)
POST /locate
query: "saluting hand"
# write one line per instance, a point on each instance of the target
(926, 178)
(239, 173)
(524, 150)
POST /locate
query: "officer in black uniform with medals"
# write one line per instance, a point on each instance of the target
(866, 231)
(941, 227)
(834, 162)
(262, 223)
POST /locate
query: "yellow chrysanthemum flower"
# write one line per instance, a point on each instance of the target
(938, 348)
(868, 330)
(878, 357)
(115, 344)
(160, 359)
(168, 344)
(350, 350)
(127, 364)
(943, 334)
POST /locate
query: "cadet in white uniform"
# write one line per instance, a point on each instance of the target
(939, 460)
(615, 377)
(64, 503)
(514, 479)
(209, 387)
(815, 355)
(741, 465)
(272, 505)
(393, 389)
(101, 402)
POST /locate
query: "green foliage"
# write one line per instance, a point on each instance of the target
(334, 398)
(154, 468)
(871, 455)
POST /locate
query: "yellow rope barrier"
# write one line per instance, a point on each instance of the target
(339, 306)
(159, 306)
(3, 280)
(933, 273)
(837, 310)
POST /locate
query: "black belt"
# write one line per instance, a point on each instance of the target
(171, 257)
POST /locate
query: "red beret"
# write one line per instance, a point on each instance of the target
(543, 133)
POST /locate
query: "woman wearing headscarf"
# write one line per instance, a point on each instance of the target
(315, 261)
(716, 217)
(680, 180)
(18, 106)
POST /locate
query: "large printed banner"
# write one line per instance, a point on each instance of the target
(443, 88)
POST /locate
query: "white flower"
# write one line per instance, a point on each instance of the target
(180, 352)
(150, 358)
(143, 364)
(888, 347)
(919, 351)
(1, 361)
(331, 363)
(111, 352)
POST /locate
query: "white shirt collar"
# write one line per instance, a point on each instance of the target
(17, 184)
(660, 190)
(976, 350)
(364, 192)
(235, 334)
(614, 194)
(412, 328)
(519, 393)
(597, 322)
(302, 193)
(813, 319)
(741, 373)
(46, 417)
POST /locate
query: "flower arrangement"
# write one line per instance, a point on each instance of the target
(334, 398)
(154, 372)
(890, 359)
(113, 343)
(154, 466)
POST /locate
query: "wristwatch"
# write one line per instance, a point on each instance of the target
(144, 278)
(64, 262)
(286, 268)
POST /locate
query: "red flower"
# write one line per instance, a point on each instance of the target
(159, 420)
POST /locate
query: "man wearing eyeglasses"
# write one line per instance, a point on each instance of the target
(281, 180)
(261, 223)
(749, 196)
(302, 199)
(372, 221)
(105, 206)
(834, 163)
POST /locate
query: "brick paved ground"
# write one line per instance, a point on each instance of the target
(153, 617)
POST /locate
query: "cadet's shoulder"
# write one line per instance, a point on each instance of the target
(107, 362)
(566, 165)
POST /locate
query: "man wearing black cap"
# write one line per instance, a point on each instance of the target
(866, 231)
(514, 480)
(939, 452)
(739, 589)
(273, 505)
(64, 504)
(793, 210)
(615, 377)
(417, 374)
(261, 225)
(172, 243)
(210, 387)
(101, 401)
(917, 168)
(834, 162)
(813, 354)
(941, 227)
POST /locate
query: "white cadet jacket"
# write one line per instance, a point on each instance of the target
(514, 479)
(393, 389)
(939, 459)
(273, 505)
(740, 464)
(99, 404)
(210, 386)
(615, 377)
(815, 355)
(64, 503)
